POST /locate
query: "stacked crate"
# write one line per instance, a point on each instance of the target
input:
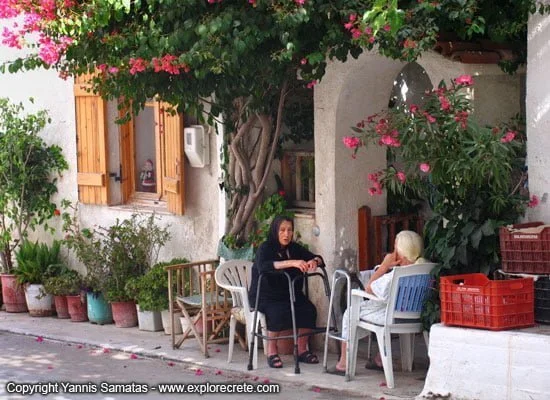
(525, 249)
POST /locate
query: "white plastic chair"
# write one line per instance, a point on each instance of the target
(235, 276)
(409, 288)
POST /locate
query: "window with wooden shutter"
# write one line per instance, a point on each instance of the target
(151, 154)
(171, 148)
(91, 137)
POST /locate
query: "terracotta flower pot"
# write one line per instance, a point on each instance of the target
(61, 307)
(124, 314)
(13, 294)
(77, 308)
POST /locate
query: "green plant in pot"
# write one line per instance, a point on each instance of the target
(150, 292)
(67, 283)
(115, 254)
(35, 263)
(28, 178)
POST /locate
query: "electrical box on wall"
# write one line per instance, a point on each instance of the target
(197, 146)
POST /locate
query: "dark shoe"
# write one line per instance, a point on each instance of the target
(308, 357)
(372, 365)
(335, 371)
(274, 361)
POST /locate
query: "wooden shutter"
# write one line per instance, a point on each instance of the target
(127, 158)
(91, 137)
(171, 148)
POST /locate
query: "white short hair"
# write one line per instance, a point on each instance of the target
(409, 244)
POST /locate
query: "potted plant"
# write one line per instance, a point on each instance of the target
(115, 254)
(28, 178)
(67, 283)
(150, 292)
(35, 263)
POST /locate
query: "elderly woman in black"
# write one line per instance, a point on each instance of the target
(279, 252)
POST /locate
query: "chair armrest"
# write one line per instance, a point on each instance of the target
(363, 293)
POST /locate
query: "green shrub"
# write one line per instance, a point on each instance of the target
(150, 290)
(37, 261)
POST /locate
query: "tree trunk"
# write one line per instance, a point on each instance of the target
(252, 148)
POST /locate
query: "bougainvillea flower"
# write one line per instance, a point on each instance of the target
(401, 176)
(351, 142)
(413, 108)
(39, 339)
(199, 372)
(316, 389)
(465, 80)
(133, 356)
(508, 137)
(425, 167)
(533, 202)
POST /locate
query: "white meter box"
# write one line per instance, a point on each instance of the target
(197, 146)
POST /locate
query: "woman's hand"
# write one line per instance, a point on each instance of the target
(312, 265)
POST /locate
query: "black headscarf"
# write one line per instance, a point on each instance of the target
(273, 236)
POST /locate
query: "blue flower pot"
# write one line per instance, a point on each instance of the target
(99, 311)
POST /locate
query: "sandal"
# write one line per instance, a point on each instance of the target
(274, 361)
(372, 365)
(308, 357)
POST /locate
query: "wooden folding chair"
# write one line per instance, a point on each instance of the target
(194, 292)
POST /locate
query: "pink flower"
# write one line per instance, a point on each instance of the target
(79, 346)
(102, 67)
(303, 61)
(137, 65)
(462, 118)
(218, 372)
(348, 25)
(430, 118)
(372, 177)
(112, 70)
(413, 108)
(11, 39)
(387, 28)
(105, 350)
(39, 339)
(311, 84)
(465, 80)
(170, 364)
(352, 17)
(133, 356)
(316, 389)
(199, 372)
(401, 176)
(533, 202)
(510, 135)
(368, 30)
(445, 105)
(281, 193)
(425, 167)
(300, 2)
(382, 384)
(266, 380)
(50, 366)
(351, 142)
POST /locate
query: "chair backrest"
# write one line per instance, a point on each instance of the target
(409, 288)
(234, 275)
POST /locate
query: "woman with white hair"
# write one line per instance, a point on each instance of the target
(408, 250)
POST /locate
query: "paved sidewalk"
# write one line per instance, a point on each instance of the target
(370, 384)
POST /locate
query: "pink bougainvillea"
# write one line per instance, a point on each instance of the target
(351, 142)
(424, 167)
(464, 80)
(533, 202)
(508, 137)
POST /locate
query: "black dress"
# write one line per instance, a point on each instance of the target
(274, 299)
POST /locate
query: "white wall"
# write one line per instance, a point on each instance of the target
(538, 114)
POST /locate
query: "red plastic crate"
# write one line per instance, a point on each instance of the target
(472, 300)
(525, 252)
